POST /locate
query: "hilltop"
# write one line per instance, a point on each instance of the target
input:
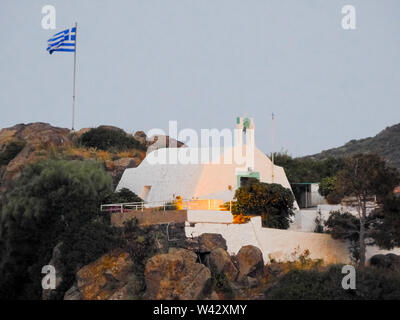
(386, 143)
(24, 144)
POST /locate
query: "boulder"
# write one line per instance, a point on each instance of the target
(141, 137)
(104, 277)
(207, 242)
(176, 275)
(388, 261)
(251, 262)
(220, 262)
(125, 163)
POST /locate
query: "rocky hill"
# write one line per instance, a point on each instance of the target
(386, 143)
(27, 143)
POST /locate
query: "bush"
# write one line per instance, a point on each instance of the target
(315, 284)
(272, 201)
(111, 139)
(11, 151)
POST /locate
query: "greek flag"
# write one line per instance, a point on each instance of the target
(62, 41)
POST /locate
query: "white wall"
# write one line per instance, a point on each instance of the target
(209, 216)
(274, 243)
(316, 198)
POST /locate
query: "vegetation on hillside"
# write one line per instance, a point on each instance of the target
(326, 284)
(308, 170)
(386, 143)
(110, 139)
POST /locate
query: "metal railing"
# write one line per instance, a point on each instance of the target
(195, 204)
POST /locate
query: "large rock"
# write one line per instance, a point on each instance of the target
(104, 277)
(251, 262)
(389, 261)
(141, 137)
(220, 262)
(207, 242)
(176, 275)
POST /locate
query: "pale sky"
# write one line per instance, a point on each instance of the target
(141, 63)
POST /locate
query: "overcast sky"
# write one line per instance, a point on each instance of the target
(141, 63)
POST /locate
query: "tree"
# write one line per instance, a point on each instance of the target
(53, 201)
(272, 201)
(327, 189)
(327, 186)
(386, 231)
(363, 177)
(345, 226)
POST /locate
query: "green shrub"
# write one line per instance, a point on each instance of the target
(110, 139)
(371, 284)
(11, 151)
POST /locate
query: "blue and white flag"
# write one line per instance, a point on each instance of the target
(63, 41)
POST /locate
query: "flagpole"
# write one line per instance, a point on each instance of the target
(273, 147)
(73, 86)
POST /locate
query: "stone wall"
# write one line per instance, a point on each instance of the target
(150, 216)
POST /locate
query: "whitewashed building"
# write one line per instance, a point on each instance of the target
(203, 173)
